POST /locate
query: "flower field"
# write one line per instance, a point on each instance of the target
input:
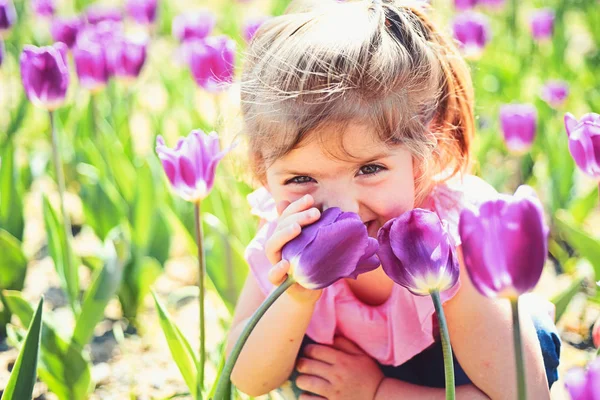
(124, 183)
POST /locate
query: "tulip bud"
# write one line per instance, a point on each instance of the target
(504, 244)
(584, 385)
(126, 57)
(8, 15)
(43, 8)
(472, 30)
(212, 62)
(542, 24)
(336, 246)
(464, 5)
(519, 123)
(584, 142)
(416, 252)
(493, 4)
(65, 30)
(192, 164)
(142, 11)
(98, 13)
(251, 26)
(45, 75)
(90, 64)
(555, 93)
(195, 25)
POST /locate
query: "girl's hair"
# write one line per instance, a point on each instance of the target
(381, 63)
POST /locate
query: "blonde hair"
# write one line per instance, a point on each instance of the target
(326, 62)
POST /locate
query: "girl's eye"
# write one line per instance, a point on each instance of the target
(299, 180)
(370, 169)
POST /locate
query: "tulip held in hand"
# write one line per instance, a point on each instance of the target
(336, 246)
(416, 252)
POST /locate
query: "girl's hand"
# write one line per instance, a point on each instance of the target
(292, 217)
(342, 371)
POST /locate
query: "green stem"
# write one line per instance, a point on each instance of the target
(513, 21)
(201, 270)
(60, 180)
(518, 349)
(239, 345)
(446, 347)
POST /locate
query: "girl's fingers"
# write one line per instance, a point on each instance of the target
(301, 204)
(313, 367)
(313, 384)
(281, 206)
(278, 273)
(321, 352)
(278, 240)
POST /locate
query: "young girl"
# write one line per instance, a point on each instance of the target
(364, 105)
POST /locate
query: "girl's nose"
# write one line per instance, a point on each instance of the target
(344, 203)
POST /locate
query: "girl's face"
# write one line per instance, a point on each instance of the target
(378, 184)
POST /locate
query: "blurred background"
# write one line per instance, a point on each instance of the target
(531, 63)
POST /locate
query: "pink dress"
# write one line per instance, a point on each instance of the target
(392, 332)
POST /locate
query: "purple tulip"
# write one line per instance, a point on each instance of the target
(8, 14)
(191, 165)
(98, 13)
(519, 123)
(212, 62)
(125, 57)
(45, 75)
(504, 244)
(493, 4)
(251, 26)
(43, 8)
(542, 24)
(584, 142)
(90, 64)
(472, 30)
(65, 30)
(196, 25)
(336, 246)
(584, 385)
(142, 11)
(555, 93)
(464, 5)
(416, 252)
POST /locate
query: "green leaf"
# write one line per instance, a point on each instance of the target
(61, 366)
(123, 171)
(220, 367)
(144, 208)
(11, 201)
(225, 262)
(561, 301)
(103, 288)
(181, 351)
(57, 246)
(103, 206)
(587, 246)
(13, 268)
(160, 240)
(138, 276)
(581, 207)
(24, 373)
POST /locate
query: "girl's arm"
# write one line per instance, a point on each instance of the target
(391, 388)
(269, 355)
(481, 335)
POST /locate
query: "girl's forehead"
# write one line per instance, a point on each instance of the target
(355, 142)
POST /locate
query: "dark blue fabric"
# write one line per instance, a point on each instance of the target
(427, 367)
